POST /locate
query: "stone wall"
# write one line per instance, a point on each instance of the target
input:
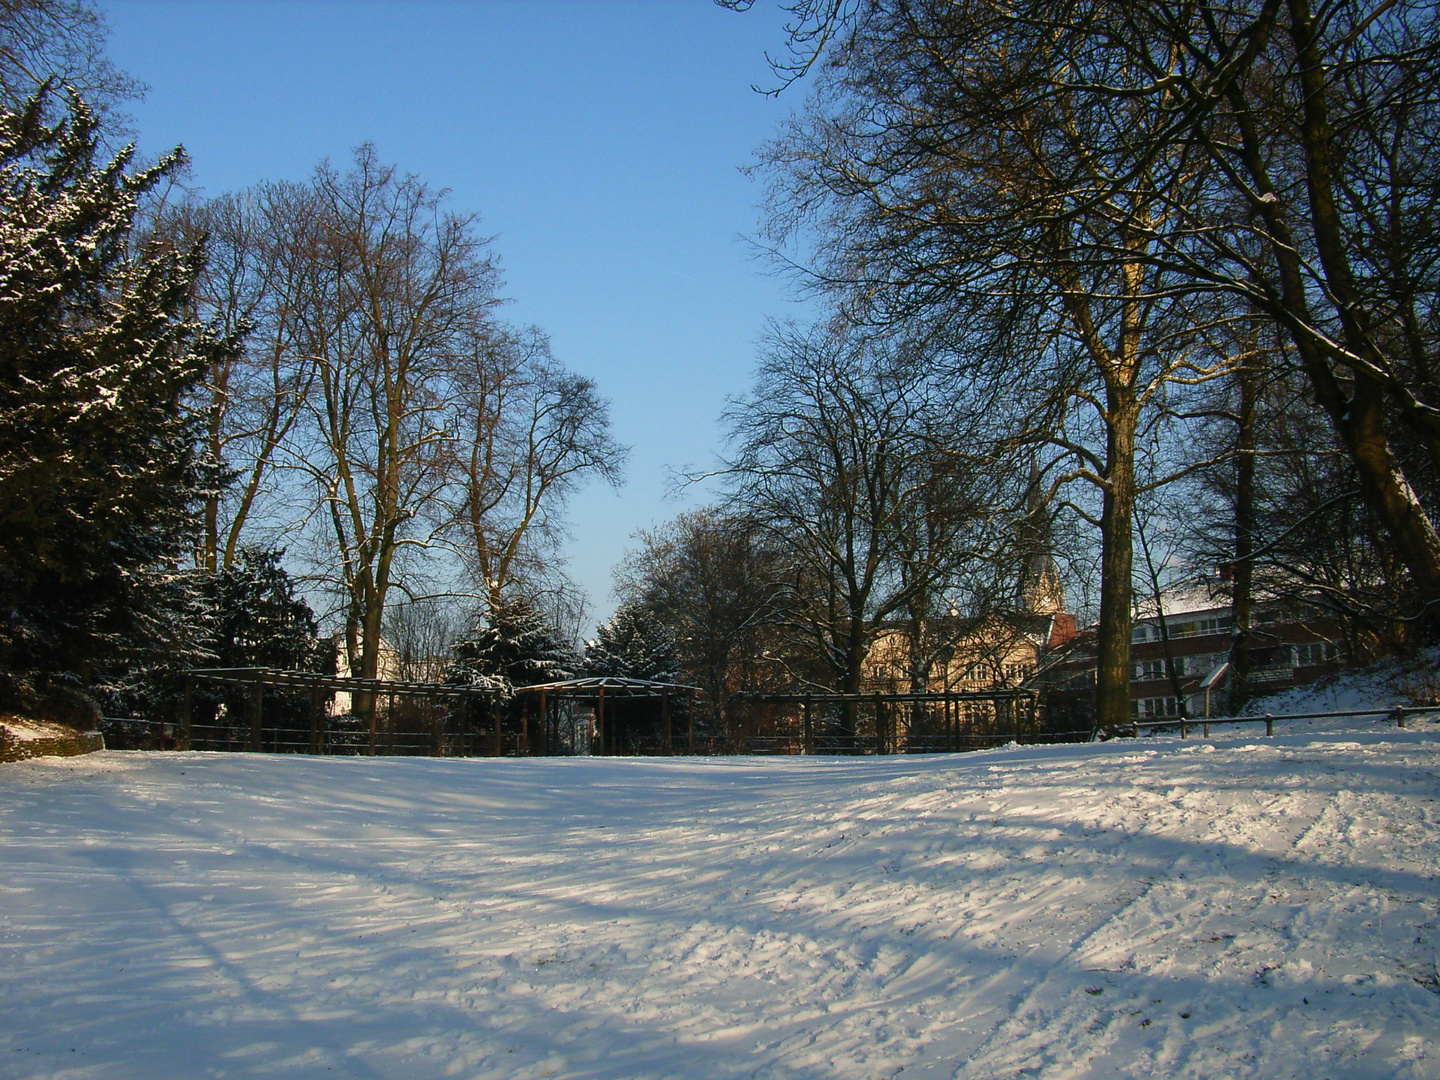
(21, 739)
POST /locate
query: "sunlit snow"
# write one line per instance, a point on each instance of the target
(1235, 908)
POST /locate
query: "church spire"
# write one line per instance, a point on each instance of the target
(1038, 590)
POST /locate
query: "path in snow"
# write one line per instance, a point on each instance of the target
(1252, 907)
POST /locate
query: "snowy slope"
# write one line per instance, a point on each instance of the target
(1413, 681)
(1236, 908)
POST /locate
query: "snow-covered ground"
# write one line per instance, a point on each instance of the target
(1233, 908)
(1388, 683)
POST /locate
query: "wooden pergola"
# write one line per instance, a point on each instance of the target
(884, 702)
(598, 689)
(318, 686)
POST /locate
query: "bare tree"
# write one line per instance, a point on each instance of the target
(954, 170)
(527, 432)
(400, 288)
(1289, 150)
(374, 397)
(419, 635)
(845, 456)
(60, 44)
(260, 267)
(1318, 128)
(717, 583)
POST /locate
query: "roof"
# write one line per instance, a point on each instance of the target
(610, 685)
(309, 680)
(1190, 598)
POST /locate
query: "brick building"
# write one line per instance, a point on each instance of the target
(1288, 645)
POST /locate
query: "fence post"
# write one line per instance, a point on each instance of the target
(185, 714)
(1269, 725)
(257, 704)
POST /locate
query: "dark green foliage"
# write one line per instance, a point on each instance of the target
(515, 645)
(632, 644)
(257, 620)
(245, 615)
(260, 621)
(98, 473)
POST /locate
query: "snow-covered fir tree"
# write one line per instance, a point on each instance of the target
(260, 619)
(98, 473)
(247, 614)
(632, 644)
(515, 644)
(512, 645)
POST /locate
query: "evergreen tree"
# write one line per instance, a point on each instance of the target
(515, 645)
(256, 619)
(260, 621)
(247, 614)
(98, 473)
(632, 644)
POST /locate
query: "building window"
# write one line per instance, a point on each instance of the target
(1201, 627)
(1201, 664)
(1312, 653)
(1154, 708)
(1149, 669)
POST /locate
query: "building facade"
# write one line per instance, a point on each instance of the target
(1189, 654)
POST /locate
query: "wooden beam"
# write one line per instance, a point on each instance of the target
(257, 704)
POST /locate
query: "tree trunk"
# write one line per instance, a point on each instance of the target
(1112, 672)
(1358, 417)
(1243, 577)
(851, 678)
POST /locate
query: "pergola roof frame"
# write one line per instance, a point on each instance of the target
(835, 697)
(612, 685)
(309, 680)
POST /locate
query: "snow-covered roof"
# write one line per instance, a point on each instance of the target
(309, 680)
(1191, 598)
(611, 684)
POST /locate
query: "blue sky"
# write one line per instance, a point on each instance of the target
(601, 142)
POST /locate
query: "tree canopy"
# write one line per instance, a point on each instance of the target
(99, 473)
